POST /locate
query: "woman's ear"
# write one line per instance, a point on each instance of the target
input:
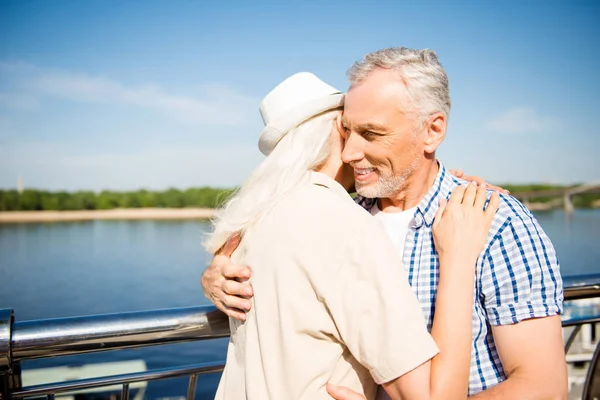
(336, 139)
(338, 125)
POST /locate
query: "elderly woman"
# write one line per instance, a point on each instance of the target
(332, 302)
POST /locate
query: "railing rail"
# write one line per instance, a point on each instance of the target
(578, 287)
(77, 335)
(125, 379)
(20, 341)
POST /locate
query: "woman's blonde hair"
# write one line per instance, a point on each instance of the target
(304, 149)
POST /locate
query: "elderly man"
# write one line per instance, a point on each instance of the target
(395, 117)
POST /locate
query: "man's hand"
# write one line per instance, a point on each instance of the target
(225, 283)
(459, 173)
(343, 393)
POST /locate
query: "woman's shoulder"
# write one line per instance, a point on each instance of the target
(322, 214)
(327, 203)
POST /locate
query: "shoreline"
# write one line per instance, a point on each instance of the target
(189, 213)
(10, 217)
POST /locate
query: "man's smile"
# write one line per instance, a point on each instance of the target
(363, 174)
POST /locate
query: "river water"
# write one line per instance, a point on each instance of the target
(80, 268)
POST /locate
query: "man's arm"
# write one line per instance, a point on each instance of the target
(521, 284)
(533, 358)
(522, 287)
(225, 284)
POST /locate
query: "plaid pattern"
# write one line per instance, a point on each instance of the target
(517, 274)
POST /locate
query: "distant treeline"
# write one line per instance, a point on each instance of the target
(206, 197)
(30, 200)
(582, 200)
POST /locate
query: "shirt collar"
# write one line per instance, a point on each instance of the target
(319, 178)
(442, 187)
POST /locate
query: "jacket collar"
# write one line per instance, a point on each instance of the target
(319, 178)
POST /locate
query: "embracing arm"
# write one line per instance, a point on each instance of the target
(459, 173)
(446, 376)
(459, 234)
(225, 284)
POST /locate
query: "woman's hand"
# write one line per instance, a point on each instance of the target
(460, 229)
(461, 224)
(459, 173)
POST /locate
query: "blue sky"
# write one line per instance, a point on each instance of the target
(123, 95)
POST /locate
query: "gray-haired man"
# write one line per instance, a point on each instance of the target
(395, 117)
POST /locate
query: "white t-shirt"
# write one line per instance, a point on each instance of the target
(396, 225)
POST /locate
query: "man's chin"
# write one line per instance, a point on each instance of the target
(368, 191)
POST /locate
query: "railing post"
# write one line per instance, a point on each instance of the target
(6, 365)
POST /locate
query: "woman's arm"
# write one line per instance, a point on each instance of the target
(460, 230)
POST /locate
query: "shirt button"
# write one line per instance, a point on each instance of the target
(416, 222)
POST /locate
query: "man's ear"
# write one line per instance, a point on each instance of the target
(435, 132)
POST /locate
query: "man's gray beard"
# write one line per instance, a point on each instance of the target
(387, 186)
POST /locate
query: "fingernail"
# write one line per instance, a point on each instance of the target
(248, 291)
(483, 185)
(246, 274)
(474, 183)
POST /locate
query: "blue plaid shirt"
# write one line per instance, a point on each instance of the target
(517, 274)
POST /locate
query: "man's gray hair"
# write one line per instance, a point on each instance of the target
(424, 77)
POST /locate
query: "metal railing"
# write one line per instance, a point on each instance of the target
(21, 341)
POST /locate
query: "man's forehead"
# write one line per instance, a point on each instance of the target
(375, 107)
(365, 122)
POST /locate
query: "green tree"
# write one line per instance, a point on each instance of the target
(107, 200)
(9, 200)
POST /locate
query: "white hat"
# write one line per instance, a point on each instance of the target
(293, 101)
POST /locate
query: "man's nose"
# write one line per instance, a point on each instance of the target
(352, 150)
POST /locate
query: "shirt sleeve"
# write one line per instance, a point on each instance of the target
(520, 275)
(375, 311)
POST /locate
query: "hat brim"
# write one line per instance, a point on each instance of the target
(277, 129)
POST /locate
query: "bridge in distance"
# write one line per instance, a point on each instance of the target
(565, 193)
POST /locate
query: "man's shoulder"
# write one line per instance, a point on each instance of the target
(511, 211)
(512, 220)
(510, 208)
(516, 235)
